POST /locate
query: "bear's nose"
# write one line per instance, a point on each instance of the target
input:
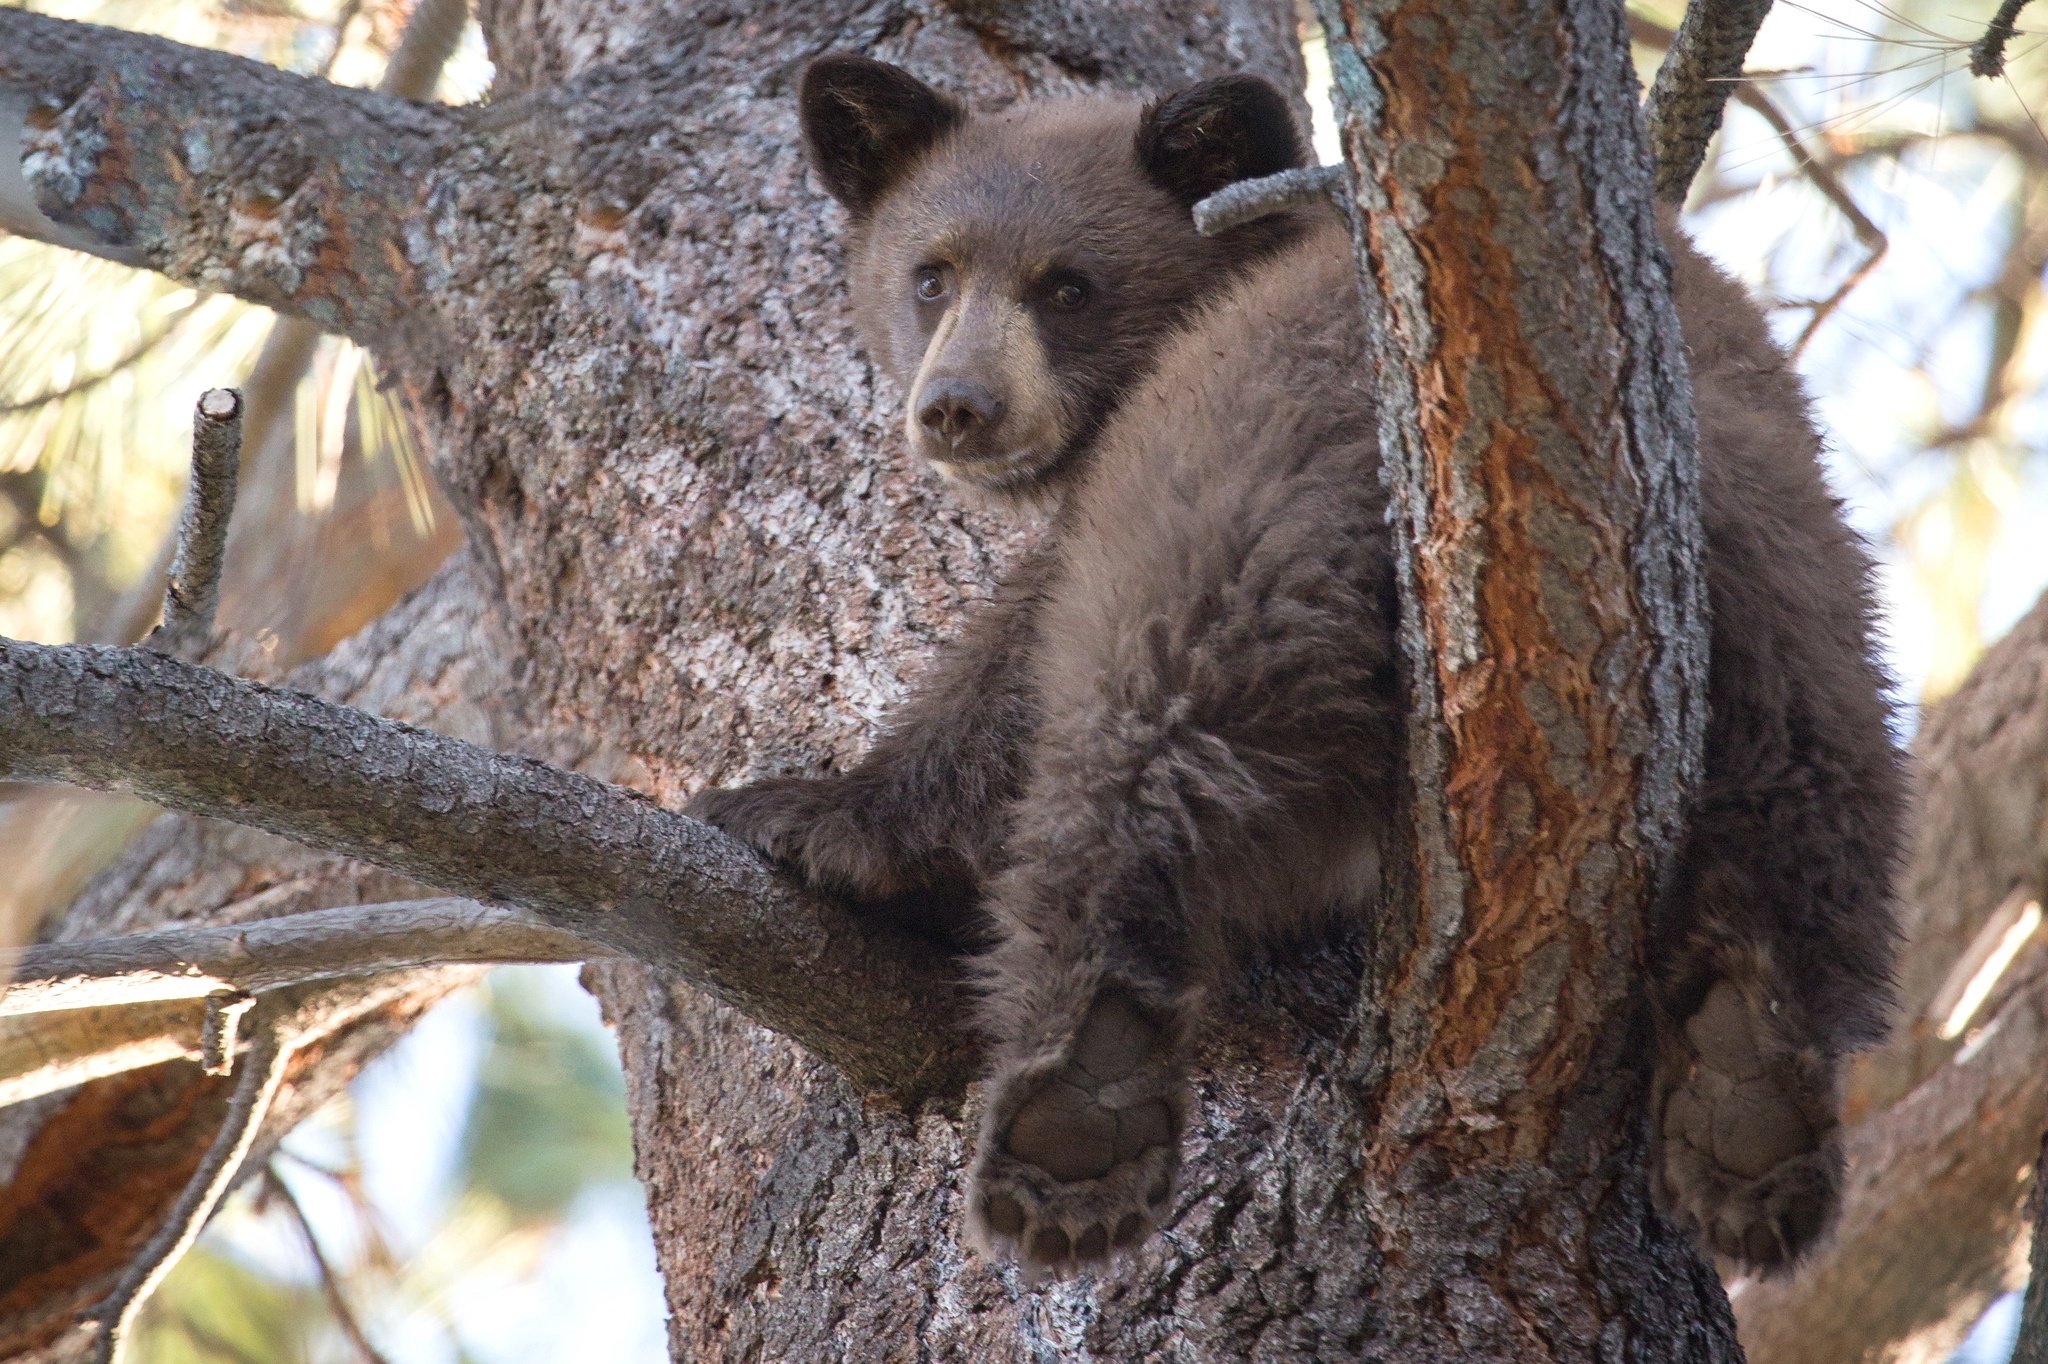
(957, 408)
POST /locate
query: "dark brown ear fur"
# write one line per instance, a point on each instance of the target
(1194, 142)
(866, 121)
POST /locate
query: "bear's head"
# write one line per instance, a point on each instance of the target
(1015, 271)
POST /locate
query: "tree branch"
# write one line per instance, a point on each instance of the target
(1703, 65)
(193, 589)
(1247, 201)
(597, 861)
(261, 1071)
(1987, 54)
(18, 212)
(43, 1053)
(268, 954)
(1819, 171)
(222, 172)
(267, 395)
(430, 36)
(330, 1284)
(432, 31)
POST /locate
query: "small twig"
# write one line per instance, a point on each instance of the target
(2031, 1347)
(349, 10)
(1987, 54)
(1701, 65)
(194, 587)
(330, 1285)
(259, 1074)
(1248, 201)
(229, 960)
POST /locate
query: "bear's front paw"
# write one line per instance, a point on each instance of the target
(819, 828)
(1077, 1159)
(1746, 1126)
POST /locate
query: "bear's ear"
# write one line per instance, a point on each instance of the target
(1232, 128)
(865, 121)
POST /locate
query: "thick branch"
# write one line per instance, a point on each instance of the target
(18, 212)
(595, 860)
(222, 172)
(1704, 64)
(267, 954)
(48, 1052)
(430, 36)
(1545, 505)
(1980, 831)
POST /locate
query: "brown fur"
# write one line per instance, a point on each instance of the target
(1177, 727)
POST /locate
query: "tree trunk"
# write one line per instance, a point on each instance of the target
(610, 298)
(1549, 776)
(613, 305)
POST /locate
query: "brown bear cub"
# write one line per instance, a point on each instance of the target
(1178, 726)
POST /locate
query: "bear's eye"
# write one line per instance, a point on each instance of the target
(931, 283)
(1069, 292)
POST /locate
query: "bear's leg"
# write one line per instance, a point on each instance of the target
(1770, 959)
(1769, 964)
(1094, 994)
(1744, 1109)
(1159, 824)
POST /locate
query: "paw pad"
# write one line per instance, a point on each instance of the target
(1078, 1164)
(1745, 1122)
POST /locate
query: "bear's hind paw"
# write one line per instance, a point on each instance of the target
(1077, 1162)
(1745, 1122)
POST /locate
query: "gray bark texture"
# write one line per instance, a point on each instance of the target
(1700, 70)
(610, 299)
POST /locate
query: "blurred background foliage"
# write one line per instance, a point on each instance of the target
(471, 1197)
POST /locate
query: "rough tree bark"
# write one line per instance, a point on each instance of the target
(612, 303)
(609, 298)
(1546, 494)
